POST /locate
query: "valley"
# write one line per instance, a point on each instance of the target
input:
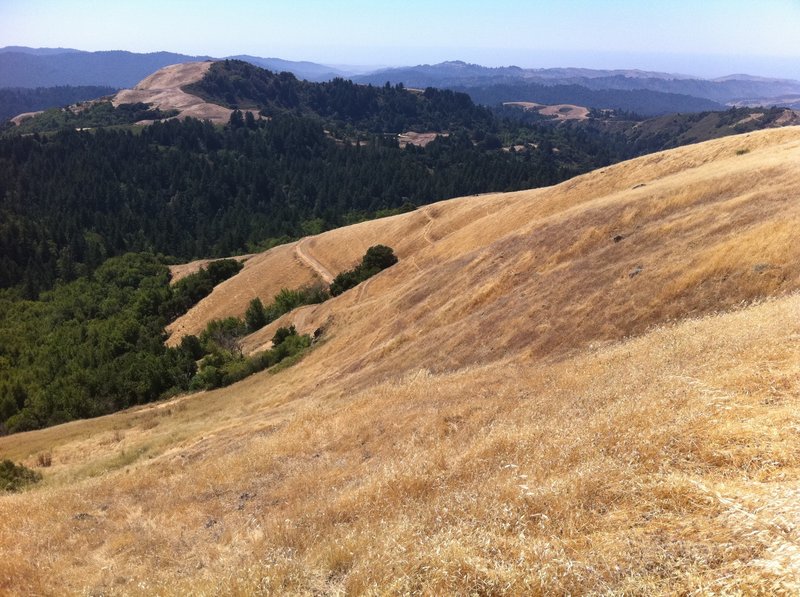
(586, 387)
(332, 299)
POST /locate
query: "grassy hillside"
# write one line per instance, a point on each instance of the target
(586, 388)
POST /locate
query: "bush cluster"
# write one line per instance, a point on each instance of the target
(14, 477)
(222, 367)
(377, 258)
(188, 291)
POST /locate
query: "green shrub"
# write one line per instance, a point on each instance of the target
(376, 259)
(255, 317)
(207, 378)
(223, 334)
(14, 477)
(282, 333)
(224, 368)
(188, 291)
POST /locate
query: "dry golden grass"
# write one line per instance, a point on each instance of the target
(163, 90)
(263, 275)
(560, 111)
(506, 411)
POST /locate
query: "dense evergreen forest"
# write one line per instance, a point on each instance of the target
(189, 189)
(386, 109)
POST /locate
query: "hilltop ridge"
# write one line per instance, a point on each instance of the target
(163, 90)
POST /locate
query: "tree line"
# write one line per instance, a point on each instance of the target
(188, 189)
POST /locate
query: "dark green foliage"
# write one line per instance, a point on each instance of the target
(377, 258)
(19, 100)
(222, 335)
(188, 291)
(340, 102)
(344, 281)
(222, 269)
(282, 333)
(286, 300)
(192, 347)
(14, 477)
(255, 318)
(221, 368)
(89, 347)
(95, 115)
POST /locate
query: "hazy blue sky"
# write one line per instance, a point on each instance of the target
(705, 37)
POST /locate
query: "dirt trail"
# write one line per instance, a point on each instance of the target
(302, 254)
(362, 289)
(426, 232)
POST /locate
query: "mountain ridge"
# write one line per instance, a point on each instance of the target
(30, 67)
(460, 74)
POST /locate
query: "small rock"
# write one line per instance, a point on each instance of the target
(635, 271)
(82, 516)
(761, 267)
(639, 186)
(617, 238)
(210, 523)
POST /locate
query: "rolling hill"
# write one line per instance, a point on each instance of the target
(590, 387)
(163, 90)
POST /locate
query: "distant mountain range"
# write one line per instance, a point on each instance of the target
(50, 67)
(725, 90)
(646, 92)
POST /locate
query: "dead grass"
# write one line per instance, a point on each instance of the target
(418, 139)
(163, 90)
(505, 411)
(558, 111)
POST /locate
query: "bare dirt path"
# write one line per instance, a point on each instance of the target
(302, 254)
(427, 230)
(362, 289)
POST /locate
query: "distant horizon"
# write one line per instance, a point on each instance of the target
(707, 39)
(658, 64)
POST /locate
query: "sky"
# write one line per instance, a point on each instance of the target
(697, 37)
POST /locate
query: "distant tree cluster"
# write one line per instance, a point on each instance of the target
(387, 109)
(98, 114)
